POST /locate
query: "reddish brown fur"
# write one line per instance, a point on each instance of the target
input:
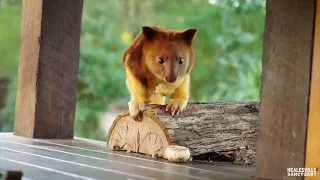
(169, 44)
(135, 61)
(158, 64)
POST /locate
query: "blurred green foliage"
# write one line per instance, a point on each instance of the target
(228, 51)
(10, 20)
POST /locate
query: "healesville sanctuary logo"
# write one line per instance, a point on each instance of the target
(302, 171)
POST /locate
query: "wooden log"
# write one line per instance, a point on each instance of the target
(205, 128)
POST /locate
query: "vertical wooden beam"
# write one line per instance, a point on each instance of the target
(288, 47)
(313, 139)
(48, 68)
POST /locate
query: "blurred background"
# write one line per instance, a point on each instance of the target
(228, 52)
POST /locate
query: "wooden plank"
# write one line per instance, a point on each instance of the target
(48, 68)
(65, 169)
(288, 45)
(99, 149)
(32, 171)
(313, 138)
(94, 154)
(91, 164)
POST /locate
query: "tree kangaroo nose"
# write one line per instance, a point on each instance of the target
(171, 78)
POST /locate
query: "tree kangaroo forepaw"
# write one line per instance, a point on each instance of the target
(135, 108)
(175, 106)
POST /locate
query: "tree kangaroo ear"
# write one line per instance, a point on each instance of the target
(188, 35)
(149, 32)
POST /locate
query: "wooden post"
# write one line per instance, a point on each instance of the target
(286, 75)
(48, 68)
(313, 139)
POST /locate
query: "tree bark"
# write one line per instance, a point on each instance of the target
(207, 129)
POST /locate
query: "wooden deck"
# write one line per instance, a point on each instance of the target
(89, 160)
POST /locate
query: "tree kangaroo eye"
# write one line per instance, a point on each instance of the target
(181, 60)
(161, 61)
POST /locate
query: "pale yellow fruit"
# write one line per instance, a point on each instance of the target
(175, 153)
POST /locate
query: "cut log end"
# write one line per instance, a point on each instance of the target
(204, 128)
(148, 136)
